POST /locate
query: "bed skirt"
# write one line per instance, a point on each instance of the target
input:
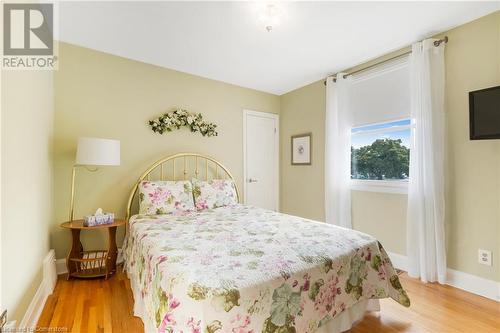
(341, 323)
(345, 320)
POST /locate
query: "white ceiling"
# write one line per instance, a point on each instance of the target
(223, 41)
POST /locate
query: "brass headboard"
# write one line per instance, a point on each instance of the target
(191, 165)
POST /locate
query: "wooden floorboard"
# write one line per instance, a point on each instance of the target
(107, 306)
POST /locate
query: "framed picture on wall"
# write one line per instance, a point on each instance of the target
(301, 149)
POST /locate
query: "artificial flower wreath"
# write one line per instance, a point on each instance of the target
(179, 118)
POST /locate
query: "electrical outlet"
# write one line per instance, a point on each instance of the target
(484, 257)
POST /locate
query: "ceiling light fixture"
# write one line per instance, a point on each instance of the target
(270, 16)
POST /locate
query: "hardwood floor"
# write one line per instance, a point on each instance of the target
(107, 306)
(95, 305)
(434, 308)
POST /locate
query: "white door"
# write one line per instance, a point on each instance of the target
(261, 159)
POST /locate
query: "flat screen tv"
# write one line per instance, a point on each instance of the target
(484, 112)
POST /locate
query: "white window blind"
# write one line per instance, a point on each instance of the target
(381, 94)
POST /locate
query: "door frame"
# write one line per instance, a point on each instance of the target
(276, 118)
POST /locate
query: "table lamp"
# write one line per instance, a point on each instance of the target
(93, 152)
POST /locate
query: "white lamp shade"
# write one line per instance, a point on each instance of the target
(95, 151)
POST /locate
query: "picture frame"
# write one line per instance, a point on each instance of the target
(301, 147)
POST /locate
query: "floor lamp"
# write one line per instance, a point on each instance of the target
(93, 152)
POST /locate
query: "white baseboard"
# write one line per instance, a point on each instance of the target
(61, 266)
(473, 284)
(461, 280)
(399, 261)
(62, 269)
(46, 288)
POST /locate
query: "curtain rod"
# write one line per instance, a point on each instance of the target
(436, 44)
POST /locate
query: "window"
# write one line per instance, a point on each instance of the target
(380, 104)
(380, 156)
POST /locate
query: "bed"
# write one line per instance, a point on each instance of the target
(244, 269)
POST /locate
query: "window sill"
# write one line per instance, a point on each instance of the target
(383, 186)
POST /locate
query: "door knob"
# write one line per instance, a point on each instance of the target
(251, 180)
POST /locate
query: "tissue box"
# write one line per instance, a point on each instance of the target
(94, 220)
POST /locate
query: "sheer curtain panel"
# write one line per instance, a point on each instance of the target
(425, 220)
(338, 124)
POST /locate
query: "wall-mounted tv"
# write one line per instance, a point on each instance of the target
(484, 113)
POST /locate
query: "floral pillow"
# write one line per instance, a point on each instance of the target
(214, 193)
(165, 197)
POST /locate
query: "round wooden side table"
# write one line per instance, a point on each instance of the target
(96, 263)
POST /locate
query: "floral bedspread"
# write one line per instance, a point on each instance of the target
(247, 270)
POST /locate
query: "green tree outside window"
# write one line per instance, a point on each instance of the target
(383, 159)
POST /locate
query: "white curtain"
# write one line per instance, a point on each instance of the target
(425, 220)
(337, 153)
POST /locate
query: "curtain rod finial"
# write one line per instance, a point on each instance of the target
(333, 77)
(442, 40)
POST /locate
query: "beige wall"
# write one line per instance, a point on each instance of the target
(302, 187)
(101, 95)
(382, 215)
(27, 129)
(472, 167)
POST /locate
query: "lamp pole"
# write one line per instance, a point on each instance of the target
(72, 200)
